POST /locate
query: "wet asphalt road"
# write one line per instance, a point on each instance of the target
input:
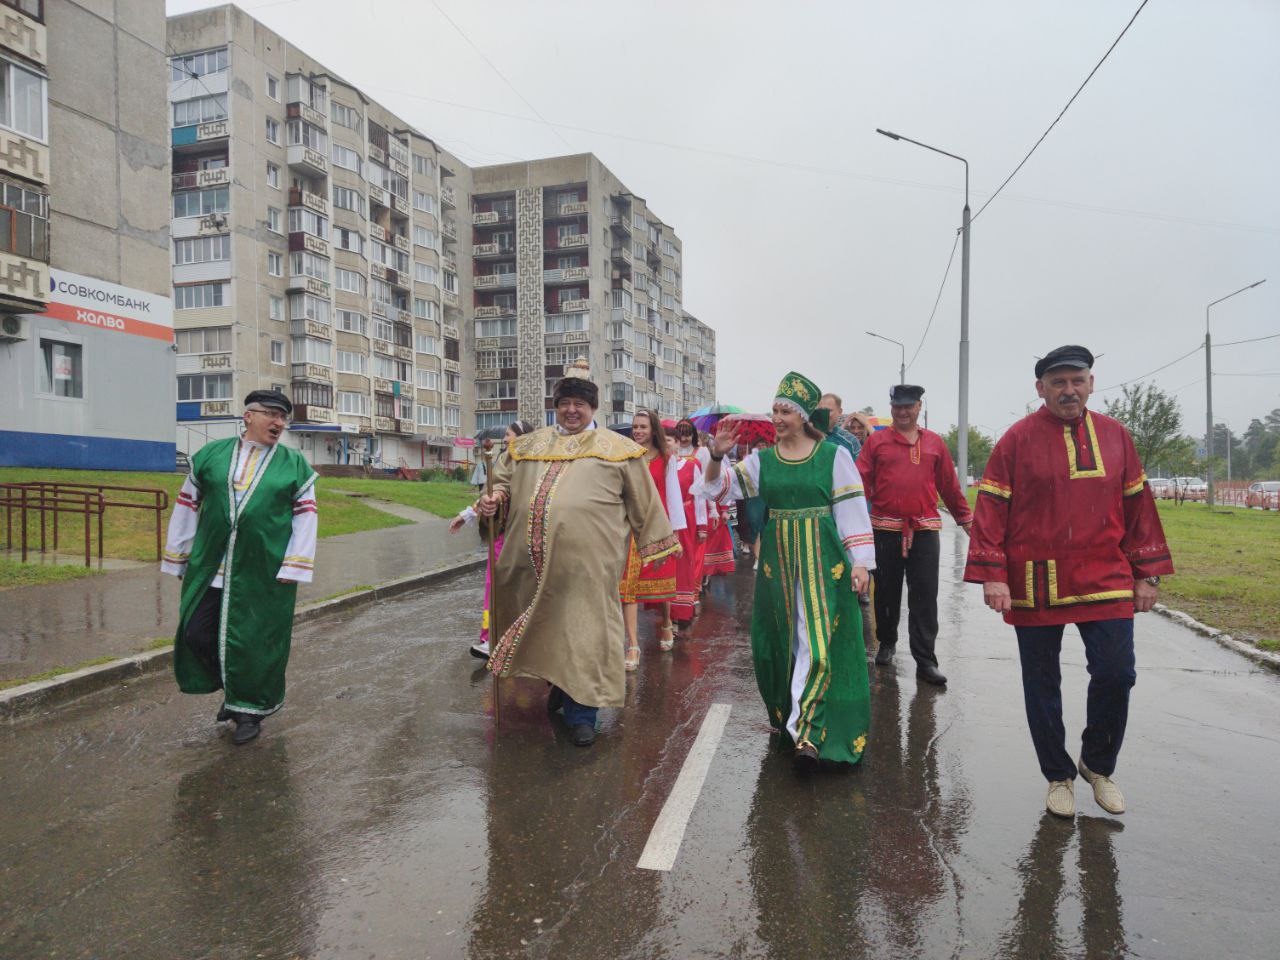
(380, 816)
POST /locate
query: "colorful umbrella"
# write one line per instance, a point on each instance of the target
(753, 428)
(706, 418)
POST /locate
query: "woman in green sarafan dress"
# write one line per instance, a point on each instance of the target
(816, 550)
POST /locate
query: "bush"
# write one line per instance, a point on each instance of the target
(460, 474)
(432, 474)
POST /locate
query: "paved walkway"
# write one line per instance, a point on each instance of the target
(114, 614)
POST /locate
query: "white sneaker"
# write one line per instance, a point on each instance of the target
(1061, 801)
(480, 650)
(1105, 793)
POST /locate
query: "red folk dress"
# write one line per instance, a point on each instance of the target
(655, 583)
(1066, 518)
(903, 481)
(719, 560)
(689, 563)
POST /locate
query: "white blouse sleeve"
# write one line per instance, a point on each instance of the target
(300, 554)
(699, 502)
(468, 514)
(849, 508)
(182, 530)
(737, 481)
(675, 500)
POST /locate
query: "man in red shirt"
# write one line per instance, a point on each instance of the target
(903, 470)
(1067, 532)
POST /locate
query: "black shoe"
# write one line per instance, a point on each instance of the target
(555, 700)
(929, 674)
(223, 715)
(247, 728)
(884, 656)
(805, 761)
(583, 734)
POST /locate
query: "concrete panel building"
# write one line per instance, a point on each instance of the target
(86, 338)
(314, 250)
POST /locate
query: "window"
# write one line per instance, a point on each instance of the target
(273, 175)
(564, 355)
(303, 306)
(501, 327)
(205, 386)
(24, 222)
(566, 322)
(197, 295)
(505, 301)
(273, 131)
(203, 340)
(303, 263)
(451, 281)
(202, 249)
(452, 416)
(346, 199)
(424, 272)
(298, 89)
(310, 350)
(619, 360)
(669, 354)
(425, 238)
(495, 389)
(353, 403)
(423, 166)
(350, 280)
(343, 115)
(426, 309)
(275, 219)
(277, 352)
(428, 379)
(352, 362)
(353, 322)
(383, 330)
(428, 416)
(640, 223)
(668, 247)
(566, 230)
(303, 134)
(199, 110)
(345, 239)
(273, 88)
(424, 201)
(201, 203)
(302, 220)
(425, 343)
(668, 301)
(198, 65)
(275, 265)
(503, 359)
(346, 158)
(275, 307)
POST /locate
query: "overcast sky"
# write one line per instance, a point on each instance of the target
(750, 128)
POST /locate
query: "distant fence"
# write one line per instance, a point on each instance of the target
(49, 500)
(1227, 493)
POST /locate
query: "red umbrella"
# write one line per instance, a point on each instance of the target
(753, 428)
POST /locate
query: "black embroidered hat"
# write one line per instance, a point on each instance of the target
(1071, 355)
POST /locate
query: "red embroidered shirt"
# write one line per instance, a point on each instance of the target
(1065, 517)
(903, 480)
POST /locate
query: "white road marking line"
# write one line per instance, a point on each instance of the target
(668, 831)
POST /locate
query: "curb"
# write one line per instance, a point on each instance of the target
(1263, 658)
(20, 701)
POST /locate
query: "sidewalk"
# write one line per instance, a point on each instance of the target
(58, 625)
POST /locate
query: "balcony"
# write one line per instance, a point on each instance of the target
(311, 285)
(312, 201)
(308, 113)
(313, 372)
(377, 232)
(399, 206)
(493, 312)
(653, 256)
(379, 196)
(450, 299)
(488, 251)
(449, 333)
(447, 198)
(566, 275)
(26, 35)
(306, 161)
(449, 264)
(621, 254)
(572, 242)
(495, 281)
(309, 242)
(572, 306)
(199, 179)
(200, 133)
(304, 327)
(449, 230)
(24, 283)
(577, 208)
(487, 218)
(400, 242)
(311, 413)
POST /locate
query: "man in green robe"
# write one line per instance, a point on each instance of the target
(241, 538)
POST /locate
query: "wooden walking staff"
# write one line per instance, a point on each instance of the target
(493, 581)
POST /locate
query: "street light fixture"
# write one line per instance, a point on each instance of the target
(902, 367)
(962, 439)
(1208, 393)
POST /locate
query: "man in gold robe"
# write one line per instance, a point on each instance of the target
(574, 493)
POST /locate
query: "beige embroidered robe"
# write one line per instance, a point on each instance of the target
(574, 500)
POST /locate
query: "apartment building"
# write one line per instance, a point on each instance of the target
(568, 262)
(699, 363)
(314, 245)
(86, 334)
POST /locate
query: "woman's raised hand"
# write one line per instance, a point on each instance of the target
(726, 437)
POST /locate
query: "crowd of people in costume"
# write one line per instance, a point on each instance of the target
(587, 525)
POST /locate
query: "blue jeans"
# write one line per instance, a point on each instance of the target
(575, 713)
(1108, 648)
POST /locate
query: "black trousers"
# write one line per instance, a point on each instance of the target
(201, 636)
(920, 567)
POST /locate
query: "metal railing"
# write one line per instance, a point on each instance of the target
(87, 499)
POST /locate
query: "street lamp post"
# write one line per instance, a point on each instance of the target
(902, 367)
(1208, 394)
(962, 440)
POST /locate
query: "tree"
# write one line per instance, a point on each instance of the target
(1154, 419)
(980, 446)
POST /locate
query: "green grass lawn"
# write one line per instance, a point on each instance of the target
(440, 497)
(130, 534)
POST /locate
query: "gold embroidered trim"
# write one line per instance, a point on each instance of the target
(1136, 487)
(548, 444)
(995, 489)
(1075, 473)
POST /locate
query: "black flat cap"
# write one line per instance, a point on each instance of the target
(272, 399)
(1072, 355)
(904, 393)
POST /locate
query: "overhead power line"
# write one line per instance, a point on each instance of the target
(1062, 112)
(1196, 349)
(942, 286)
(1232, 343)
